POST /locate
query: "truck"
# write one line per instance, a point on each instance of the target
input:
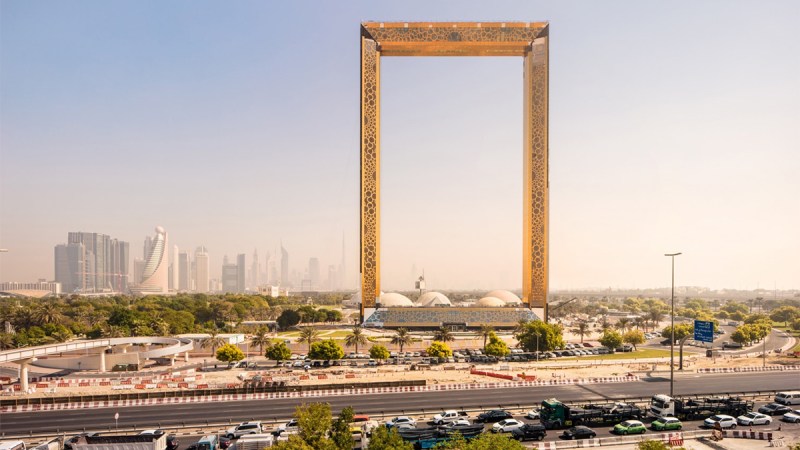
(121, 442)
(555, 414)
(425, 438)
(448, 416)
(694, 408)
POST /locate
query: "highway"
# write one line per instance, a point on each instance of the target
(388, 404)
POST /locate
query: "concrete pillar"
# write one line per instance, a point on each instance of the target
(125, 347)
(186, 357)
(24, 366)
(146, 349)
(102, 360)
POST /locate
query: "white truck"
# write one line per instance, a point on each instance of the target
(255, 441)
(448, 416)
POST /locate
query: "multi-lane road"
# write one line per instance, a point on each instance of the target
(387, 404)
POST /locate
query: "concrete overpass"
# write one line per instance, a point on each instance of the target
(26, 356)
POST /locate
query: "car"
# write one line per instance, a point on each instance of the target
(774, 409)
(529, 432)
(579, 432)
(242, 429)
(401, 422)
(727, 344)
(666, 423)
(629, 427)
(532, 414)
(792, 417)
(723, 420)
(506, 425)
(754, 418)
(457, 423)
(494, 415)
(287, 427)
(151, 433)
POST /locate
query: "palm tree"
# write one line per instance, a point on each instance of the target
(48, 313)
(112, 331)
(261, 339)
(655, 315)
(402, 338)
(355, 338)
(443, 335)
(582, 329)
(485, 332)
(213, 340)
(308, 335)
(624, 323)
(6, 341)
(640, 322)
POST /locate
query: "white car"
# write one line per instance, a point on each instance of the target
(242, 429)
(723, 420)
(288, 426)
(532, 414)
(754, 418)
(457, 423)
(793, 416)
(506, 425)
(401, 422)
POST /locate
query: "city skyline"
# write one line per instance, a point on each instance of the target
(671, 130)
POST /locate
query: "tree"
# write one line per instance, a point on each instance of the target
(443, 335)
(796, 325)
(623, 324)
(537, 335)
(439, 350)
(656, 445)
(278, 352)
(611, 339)
(485, 332)
(402, 338)
(388, 439)
(654, 315)
(309, 335)
(326, 350)
(633, 337)
(496, 346)
(340, 429)
(48, 313)
(582, 329)
(261, 339)
(295, 442)
(6, 341)
(485, 441)
(314, 421)
(229, 352)
(288, 319)
(213, 340)
(355, 338)
(379, 352)
(682, 332)
(785, 314)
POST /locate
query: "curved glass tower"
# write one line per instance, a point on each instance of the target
(155, 278)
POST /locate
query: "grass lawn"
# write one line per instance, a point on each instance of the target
(335, 334)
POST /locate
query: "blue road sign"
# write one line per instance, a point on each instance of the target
(703, 331)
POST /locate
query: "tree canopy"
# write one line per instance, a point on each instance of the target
(229, 352)
(549, 336)
(439, 349)
(326, 350)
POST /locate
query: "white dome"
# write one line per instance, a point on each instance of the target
(160, 230)
(393, 299)
(490, 302)
(506, 296)
(429, 299)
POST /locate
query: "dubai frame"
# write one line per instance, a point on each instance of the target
(528, 40)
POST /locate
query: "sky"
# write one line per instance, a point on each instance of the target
(674, 127)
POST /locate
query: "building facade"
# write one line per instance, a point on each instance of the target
(155, 277)
(202, 268)
(92, 263)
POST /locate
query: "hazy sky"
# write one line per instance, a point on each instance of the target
(674, 126)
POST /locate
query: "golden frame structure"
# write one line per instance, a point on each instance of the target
(526, 39)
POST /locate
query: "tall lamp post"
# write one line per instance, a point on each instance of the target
(672, 328)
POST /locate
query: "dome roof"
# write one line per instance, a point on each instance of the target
(393, 299)
(490, 302)
(433, 299)
(506, 296)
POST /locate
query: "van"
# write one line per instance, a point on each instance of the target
(788, 398)
(209, 442)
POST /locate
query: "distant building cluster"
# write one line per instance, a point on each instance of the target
(97, 264)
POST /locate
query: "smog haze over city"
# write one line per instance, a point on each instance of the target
(235, 125)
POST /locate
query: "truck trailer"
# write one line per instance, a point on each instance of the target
(696, 408)
(555, 414)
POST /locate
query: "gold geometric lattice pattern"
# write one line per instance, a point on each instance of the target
(526, 39)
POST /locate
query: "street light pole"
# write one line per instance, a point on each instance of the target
(672, 329)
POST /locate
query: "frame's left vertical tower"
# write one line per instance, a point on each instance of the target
(370, 174)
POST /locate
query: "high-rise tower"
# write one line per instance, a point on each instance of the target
(202, 270)
(284, 266)
(254, 269)
(155, 275)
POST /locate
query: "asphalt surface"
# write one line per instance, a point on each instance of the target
(165, 416)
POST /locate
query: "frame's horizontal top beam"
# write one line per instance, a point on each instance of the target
(453, 38)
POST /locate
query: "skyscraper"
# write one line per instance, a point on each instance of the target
(138, 270)
(104, 264)
(313, 273)
(174, 266)
(240, 276)
(284, 266)
(70, 267)
(183, 272)
(202, 268)
(342, 274)
(254, 270)
(154, 277)
(230, 276)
